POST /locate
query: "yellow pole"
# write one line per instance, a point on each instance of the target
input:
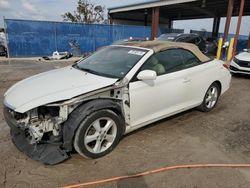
(218, 55)
(230, 50)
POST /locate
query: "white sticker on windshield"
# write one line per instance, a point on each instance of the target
(136, 52)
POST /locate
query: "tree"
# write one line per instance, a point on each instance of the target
(86, 12)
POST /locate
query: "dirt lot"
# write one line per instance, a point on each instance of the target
(220, 136)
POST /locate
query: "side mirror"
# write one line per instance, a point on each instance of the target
(147, 75)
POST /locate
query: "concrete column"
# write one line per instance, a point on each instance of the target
(242, 4)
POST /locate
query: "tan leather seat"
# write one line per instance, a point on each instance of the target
(156, 66)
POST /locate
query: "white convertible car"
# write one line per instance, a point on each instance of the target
(89, 106)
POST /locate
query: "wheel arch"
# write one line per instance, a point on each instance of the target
(82, 111)
(219, 84)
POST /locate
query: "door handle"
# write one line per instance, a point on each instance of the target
(186, 80)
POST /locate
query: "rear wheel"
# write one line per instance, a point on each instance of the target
(211, 98)
(98, 134)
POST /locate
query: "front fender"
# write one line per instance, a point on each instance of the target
(82, 111)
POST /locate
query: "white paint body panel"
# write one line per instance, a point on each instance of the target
(244, 56)
(172, 93)
(52, 86)
(150, 101)
(154, 98)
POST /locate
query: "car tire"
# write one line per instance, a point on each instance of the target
(98, 134)
(210, 99)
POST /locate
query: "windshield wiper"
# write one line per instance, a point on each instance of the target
(83, 69)
(86, 69)
(93, 72)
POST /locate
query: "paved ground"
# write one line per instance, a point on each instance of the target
(221, 136)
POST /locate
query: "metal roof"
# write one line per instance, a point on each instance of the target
(147, 4)
(195, 9)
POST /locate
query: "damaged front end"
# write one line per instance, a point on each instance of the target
(44, 134)
(38, 132)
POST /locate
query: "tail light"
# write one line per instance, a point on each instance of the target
(226, 66)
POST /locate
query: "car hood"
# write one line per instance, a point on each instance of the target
(244, 56)
(52, 86)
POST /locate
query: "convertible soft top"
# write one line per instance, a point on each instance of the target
(158, 46)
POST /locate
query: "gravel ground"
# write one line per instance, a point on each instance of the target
(220, 136)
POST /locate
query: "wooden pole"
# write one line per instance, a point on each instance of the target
(228, 20)
(242, 3)
(157, 18)
(155, 22)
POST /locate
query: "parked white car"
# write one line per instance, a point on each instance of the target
(118, 89)
(241, 63)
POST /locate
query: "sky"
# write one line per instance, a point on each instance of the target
(53, 9)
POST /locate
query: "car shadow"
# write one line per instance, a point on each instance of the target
(243, 76)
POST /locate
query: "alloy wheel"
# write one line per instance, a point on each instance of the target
(211, 97)
(100, 135)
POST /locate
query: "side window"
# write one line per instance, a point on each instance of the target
(189, 59)
(197, 40)
(182, 39)
(192, 40)
(165, 62)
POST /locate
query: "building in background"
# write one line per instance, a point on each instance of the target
(163, 12)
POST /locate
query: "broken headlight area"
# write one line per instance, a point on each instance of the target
(38, 132)
(42, 124)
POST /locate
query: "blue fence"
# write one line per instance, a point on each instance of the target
(40, 38)
(28, 38)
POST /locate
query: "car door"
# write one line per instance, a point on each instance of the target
(156, 99)
(200, 75)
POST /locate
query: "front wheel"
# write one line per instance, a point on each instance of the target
(98, 134)
(211, 98)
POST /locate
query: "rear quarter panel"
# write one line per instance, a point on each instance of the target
(204, 75)
(218, 72)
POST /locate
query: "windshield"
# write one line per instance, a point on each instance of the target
(166, 37)
(112, 61)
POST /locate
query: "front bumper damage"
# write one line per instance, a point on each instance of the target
(47, 136)
(48, 153)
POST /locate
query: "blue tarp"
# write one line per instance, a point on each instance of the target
(28, 38)
(40, 38)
